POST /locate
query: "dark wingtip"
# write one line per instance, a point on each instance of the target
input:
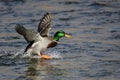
(48, 13)
(18, 26)
(20, 29)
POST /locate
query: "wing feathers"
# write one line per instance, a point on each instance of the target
(28, 34)
(45, 25)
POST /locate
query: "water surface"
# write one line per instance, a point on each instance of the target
(92, 54)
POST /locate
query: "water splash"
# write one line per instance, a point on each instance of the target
(21, 54)
(55, 54)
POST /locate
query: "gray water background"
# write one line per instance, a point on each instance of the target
(93, 53)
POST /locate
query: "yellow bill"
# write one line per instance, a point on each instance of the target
(67, 35)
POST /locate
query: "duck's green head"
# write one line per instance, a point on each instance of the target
(60, 34)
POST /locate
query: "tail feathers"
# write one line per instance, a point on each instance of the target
(20, 29)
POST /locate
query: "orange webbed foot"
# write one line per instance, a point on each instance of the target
(45, 56)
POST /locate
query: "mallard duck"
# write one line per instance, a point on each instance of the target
(39, 41)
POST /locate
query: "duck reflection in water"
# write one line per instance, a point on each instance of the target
(40, 69)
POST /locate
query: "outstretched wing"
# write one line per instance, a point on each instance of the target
(45, 25)
(28, 34)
